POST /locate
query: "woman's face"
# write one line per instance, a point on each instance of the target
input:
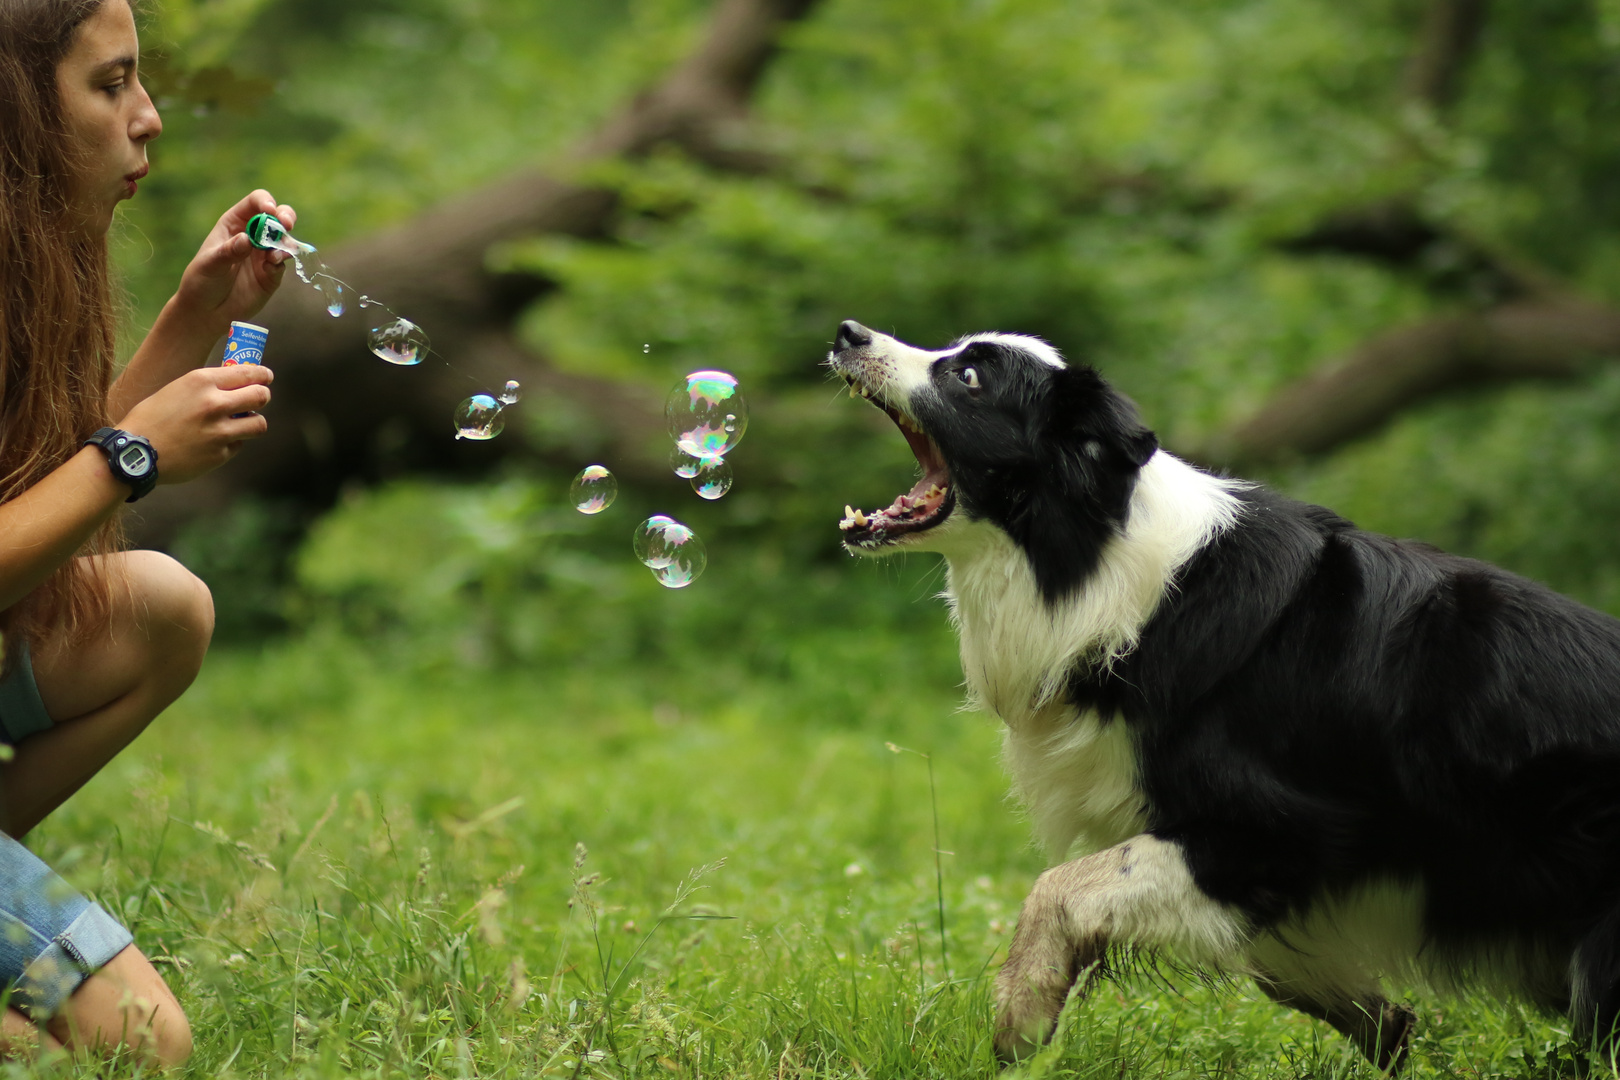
(107, 112)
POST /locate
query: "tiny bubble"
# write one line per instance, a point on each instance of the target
(512, 392)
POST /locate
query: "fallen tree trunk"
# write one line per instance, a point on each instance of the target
(341, 416)
(1405, 367)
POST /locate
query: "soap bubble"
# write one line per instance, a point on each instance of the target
(648, 541)
(593, 490)
(512, 392)
(332, 289)
(683, 464)
(706, 413)
(479, 418)
(671, 551)
(713, 480)
(646, 348)
(400, 342)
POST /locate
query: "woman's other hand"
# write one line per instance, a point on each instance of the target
(230, 279)
(195, 422)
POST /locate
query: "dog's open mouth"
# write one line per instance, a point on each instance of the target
(927, 504)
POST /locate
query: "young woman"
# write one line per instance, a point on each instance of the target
(97, 641)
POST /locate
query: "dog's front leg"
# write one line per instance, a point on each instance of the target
(1138, 893)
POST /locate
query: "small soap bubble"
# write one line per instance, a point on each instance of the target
(512, 393)
(332, 289)
(671, 551)
(646, 348)
(648, 541)
(687, 558)
(593, 490)
(366, 301)
(479, 418)
(684, 465)
(400, 342)
(713, 480)
(706, 413)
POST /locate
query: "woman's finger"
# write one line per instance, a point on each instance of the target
(238, 429)
(236, 218)
(247, 399)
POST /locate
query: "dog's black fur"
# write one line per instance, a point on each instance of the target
(1314, 707)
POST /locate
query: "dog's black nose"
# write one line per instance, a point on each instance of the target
(851, 334)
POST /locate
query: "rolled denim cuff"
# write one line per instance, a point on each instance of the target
(75, 954)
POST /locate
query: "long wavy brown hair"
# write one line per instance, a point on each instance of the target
(57, 318)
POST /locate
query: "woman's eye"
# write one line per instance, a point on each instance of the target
(969, 377)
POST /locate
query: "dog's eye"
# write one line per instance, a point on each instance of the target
(969, 377)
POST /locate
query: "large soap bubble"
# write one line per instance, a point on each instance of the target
(593, 490)
(707, 414)
(479, 418)
(399, 342)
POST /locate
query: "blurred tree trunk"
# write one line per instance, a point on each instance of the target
(341, 416)
(1511, 322)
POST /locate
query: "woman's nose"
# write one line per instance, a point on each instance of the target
(146, 124)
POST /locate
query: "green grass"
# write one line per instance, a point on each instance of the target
(353, 864)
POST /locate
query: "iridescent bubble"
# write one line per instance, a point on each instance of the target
(332, 289)
(671, 551)
(512, 392)
(683, 464)
(399, 342)
(687, 558)
(593, 490)
(479, 418)
(648, 541)
(713, 480)
(646, 348)
(707, 414)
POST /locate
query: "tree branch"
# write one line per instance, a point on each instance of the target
(1446, 43)
(1402, 368)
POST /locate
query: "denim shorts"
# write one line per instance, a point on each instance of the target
(51, 938)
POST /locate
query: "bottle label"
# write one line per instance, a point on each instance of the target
(245, 344)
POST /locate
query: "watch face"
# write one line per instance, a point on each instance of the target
(135, 460)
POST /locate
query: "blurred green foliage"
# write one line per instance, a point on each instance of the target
(1114, 176)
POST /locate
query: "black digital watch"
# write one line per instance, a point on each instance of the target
(132, 459)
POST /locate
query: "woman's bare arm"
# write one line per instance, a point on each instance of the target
(195, 423)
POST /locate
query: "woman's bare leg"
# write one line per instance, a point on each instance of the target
(103, 692)
(126, 1003)
(19, 1038)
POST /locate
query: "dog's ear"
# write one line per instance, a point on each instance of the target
(1084, 407)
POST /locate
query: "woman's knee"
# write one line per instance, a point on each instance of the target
(172, 608)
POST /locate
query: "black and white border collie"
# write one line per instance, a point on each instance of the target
(1293, 750)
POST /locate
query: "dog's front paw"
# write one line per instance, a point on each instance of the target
(1043, 962)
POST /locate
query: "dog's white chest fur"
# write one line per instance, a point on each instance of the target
(1075, 774)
